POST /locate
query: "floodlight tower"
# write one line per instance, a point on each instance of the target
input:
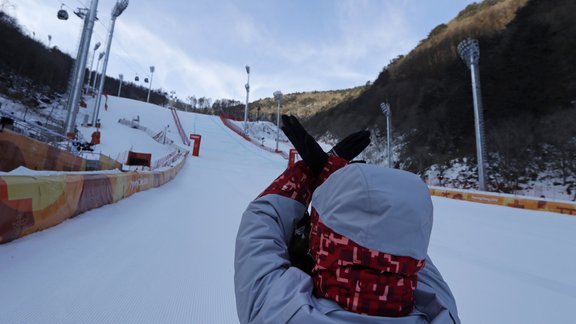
(77, 78)
(121, 78)
(247, 95)
(388, 113)
(150, 87)
(96, 47)
(278, 98)
(469, 51)
(100, 57)
(118, 9)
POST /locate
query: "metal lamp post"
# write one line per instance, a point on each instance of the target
(150, 87)
(388, 113)
(469, 51)
(100, 56)
(278, 98)
(96, 47)
(247, 95)
(74, 92)
(121, 78)
(118, 9)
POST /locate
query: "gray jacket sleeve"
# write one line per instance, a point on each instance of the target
(433, 296)
(267, 289)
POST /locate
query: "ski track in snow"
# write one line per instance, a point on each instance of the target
(166, 255)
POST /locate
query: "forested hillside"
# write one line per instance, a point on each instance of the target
(28, 67)
(528, 79)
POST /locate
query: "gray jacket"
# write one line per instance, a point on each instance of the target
(269, 290)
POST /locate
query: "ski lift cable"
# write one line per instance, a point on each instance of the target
(118, 43)
(97, 36)
(100, 37)
(63, 4)
(83, 4)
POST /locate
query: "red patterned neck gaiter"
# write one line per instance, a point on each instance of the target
(361, 280)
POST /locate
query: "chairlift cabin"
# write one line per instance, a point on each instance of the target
(136, 79)
(146, 80)
(62, 14)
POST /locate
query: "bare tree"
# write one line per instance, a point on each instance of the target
(5, 5)
(559, 136)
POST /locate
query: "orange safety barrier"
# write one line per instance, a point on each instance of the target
(196, 148)
(17, 150)
(141, 159)
(30, 204)
(565, 208)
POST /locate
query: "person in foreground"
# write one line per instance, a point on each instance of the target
(369, 232)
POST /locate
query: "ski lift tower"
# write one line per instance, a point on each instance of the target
(77, 78)
(388, 113)
(118, 9)
(469, 51)
(278, 98)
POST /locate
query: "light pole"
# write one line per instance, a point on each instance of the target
(118, 9)
(100, 56)
(247, 94)
(388, 113)
(121, 78)
(469, 51)
(150, 87)
(278, 98)
(96, 47)
(74, 92)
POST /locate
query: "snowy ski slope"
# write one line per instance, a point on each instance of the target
(166, 255)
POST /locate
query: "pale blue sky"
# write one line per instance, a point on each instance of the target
(200, 47)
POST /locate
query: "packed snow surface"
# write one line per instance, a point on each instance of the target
(166, 255)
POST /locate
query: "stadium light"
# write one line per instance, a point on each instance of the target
(121, 78)
(118, 9)
(100, 57)
(150, 86)
(247, 95)
(469, 51)
(388, 113)
(96, 47)
(278, 98)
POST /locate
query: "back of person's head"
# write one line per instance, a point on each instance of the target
(370, 232)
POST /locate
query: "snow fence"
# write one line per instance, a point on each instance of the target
(30, 204)
(566, 208)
